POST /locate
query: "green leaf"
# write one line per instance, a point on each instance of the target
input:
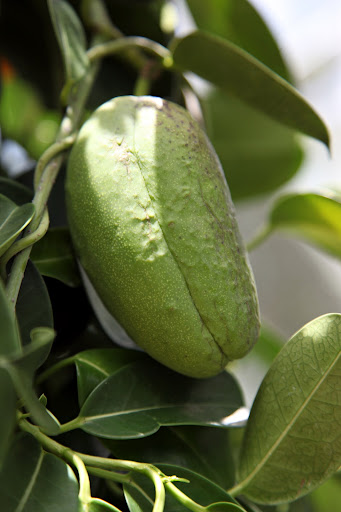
(32, 480)
(239, 22)
(257, 153)
(238, 73)
(95, 365)
(21, 369)
(15, 191)
(317, 218)
(7, 412)
(205, 450)
(222, 506)
(54, 257)
(137, 400)
(33, 306)
(10, 341)
(13, 219)
(291, 443)
(98, 505)
(71, 39)
(199, 489)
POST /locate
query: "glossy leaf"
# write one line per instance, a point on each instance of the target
(13, 219)
(137, 400)
(71, 39)
(54, 257)
(205, 450)
(291, 443)
(10, 341)
(238, 73)
(239, 22)
(95, 365)
(315, 217)
(33, 306)
(223, 506)
(22, 368)
(257, 154)
(16, 192)
(98, 505)
(199, 489)
(7, 412)
(32, 480)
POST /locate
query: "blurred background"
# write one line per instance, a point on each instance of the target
(296, 282)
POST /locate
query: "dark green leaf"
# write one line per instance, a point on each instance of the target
(199, 489)
(95, 365)
(32, 480)
(15, 191)
(54, 257)
(137, 400)
(239, 22)
(71, 39)
(10, 341)
(291, 443)
(315, 217)
(205, 450)
(7, 412)
(222, 506)
(238, 73)
(22, 368)
(13, 219)
(33, 306)
(257, 154)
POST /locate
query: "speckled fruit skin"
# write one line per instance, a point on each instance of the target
(154, 228)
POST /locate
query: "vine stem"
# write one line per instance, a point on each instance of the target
(48, 171)
(111, 465)
(102, 50)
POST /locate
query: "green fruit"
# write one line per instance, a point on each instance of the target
(154, 228)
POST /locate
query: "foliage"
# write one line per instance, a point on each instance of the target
(71, 403)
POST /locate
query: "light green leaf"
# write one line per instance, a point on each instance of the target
(32, 480)
(239, 22)
(33, 305)
(223, 506)
(7, 412)
(238, 73)
(135, 401)
(317, 218)
(95, 365)
(54, 257)
(291, 443)
(257, 154)
(98, 505)
(10, 341)
(71, 39)
(13, 219)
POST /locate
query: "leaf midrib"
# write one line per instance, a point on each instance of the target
(150, 408)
